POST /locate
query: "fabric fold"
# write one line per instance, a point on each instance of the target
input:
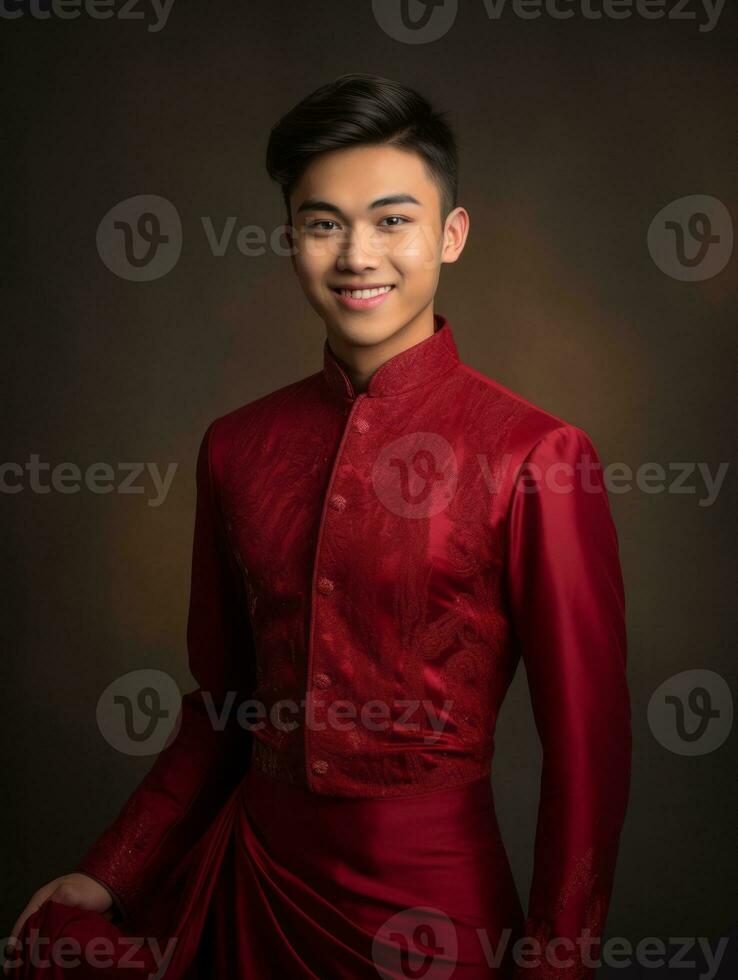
(289, 884)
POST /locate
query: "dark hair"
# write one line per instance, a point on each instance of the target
(359, 109)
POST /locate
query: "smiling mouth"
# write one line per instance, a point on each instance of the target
(366, 293)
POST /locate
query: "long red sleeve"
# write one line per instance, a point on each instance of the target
(567, 600)
(192, 776)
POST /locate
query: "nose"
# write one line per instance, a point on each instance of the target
(358, 250)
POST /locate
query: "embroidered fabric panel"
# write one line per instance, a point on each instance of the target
(376, 549)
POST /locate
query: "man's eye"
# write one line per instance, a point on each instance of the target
(320, 225)
(395, 219)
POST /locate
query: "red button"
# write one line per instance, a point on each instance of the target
(325, 585)
(319, 767)
(322, 680)
(337, 501)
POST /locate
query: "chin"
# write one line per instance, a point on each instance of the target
(365, 329)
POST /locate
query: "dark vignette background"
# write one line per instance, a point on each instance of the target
(573, 135)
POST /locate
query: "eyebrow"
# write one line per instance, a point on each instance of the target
(312, 204)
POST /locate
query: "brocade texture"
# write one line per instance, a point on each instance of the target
(380, 551)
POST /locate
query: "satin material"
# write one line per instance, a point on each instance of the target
(354, 887)
(406, 545)
(289, 883)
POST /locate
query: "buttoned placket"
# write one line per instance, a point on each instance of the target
(325, 587)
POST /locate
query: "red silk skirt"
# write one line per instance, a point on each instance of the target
(291, 884)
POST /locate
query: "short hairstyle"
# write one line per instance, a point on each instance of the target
(358, 109)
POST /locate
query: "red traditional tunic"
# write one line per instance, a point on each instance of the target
(367, 571)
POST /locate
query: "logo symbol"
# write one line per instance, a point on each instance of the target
(139, 712)
(415, 21)
(691, 713)
(416, 475)
(418, 943)
(692, 239)
(140, 239)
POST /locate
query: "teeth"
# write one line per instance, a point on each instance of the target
(364, 293)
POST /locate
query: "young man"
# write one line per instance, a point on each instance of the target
(376, 547)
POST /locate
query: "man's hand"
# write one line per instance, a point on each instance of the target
(77, 890)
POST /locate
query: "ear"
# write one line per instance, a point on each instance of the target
(456, 229)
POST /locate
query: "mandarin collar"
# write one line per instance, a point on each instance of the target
(425, 361)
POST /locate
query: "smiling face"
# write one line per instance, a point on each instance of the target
(369, 242)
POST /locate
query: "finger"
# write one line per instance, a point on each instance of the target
(11, 950)
(27, 911)
(33, 904)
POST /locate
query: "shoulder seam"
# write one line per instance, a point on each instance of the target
(500, 388)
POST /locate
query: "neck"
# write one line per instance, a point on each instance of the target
(361, 361)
